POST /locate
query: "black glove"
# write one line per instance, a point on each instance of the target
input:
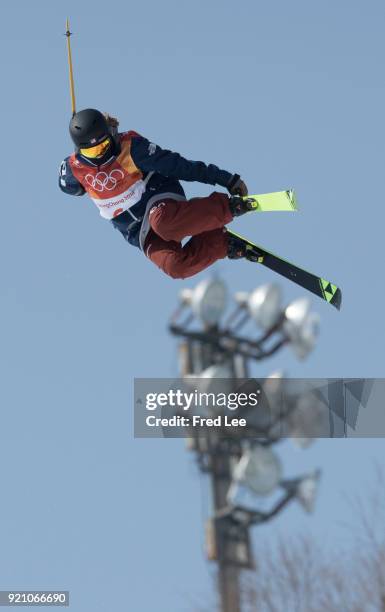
(236, 186)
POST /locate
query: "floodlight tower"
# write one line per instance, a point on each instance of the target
(211, 352)
(208, 302)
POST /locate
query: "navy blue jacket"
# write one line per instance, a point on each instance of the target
(168, 169)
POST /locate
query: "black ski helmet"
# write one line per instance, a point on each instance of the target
(88, 127)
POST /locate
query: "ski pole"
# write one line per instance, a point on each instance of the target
(72, 87)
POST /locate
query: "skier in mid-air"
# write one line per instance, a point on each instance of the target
(136, 186)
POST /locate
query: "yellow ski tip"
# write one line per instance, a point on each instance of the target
(276, 201)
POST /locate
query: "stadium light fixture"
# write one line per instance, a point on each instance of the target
(217, 378)
(264, 305)
(304, 489)
(308, 421)
(259, 469)
(301, 327)
(307, 490)
(207, 300)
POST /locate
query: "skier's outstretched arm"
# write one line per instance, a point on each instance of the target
(67, 182)
(149, 157)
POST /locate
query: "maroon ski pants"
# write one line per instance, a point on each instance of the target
(201, 218)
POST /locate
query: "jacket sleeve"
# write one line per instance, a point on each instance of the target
(67, 182)
(149, 157)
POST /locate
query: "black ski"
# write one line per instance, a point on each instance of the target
(317, 285)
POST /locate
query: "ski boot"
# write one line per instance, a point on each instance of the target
(239, 249)
(239, 205)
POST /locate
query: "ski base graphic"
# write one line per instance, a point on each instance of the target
(316, 284)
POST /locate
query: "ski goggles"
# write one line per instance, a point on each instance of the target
(98, 150)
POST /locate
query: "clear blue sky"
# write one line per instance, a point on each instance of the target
(289, 94)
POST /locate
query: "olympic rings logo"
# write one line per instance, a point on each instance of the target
(103, 181)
